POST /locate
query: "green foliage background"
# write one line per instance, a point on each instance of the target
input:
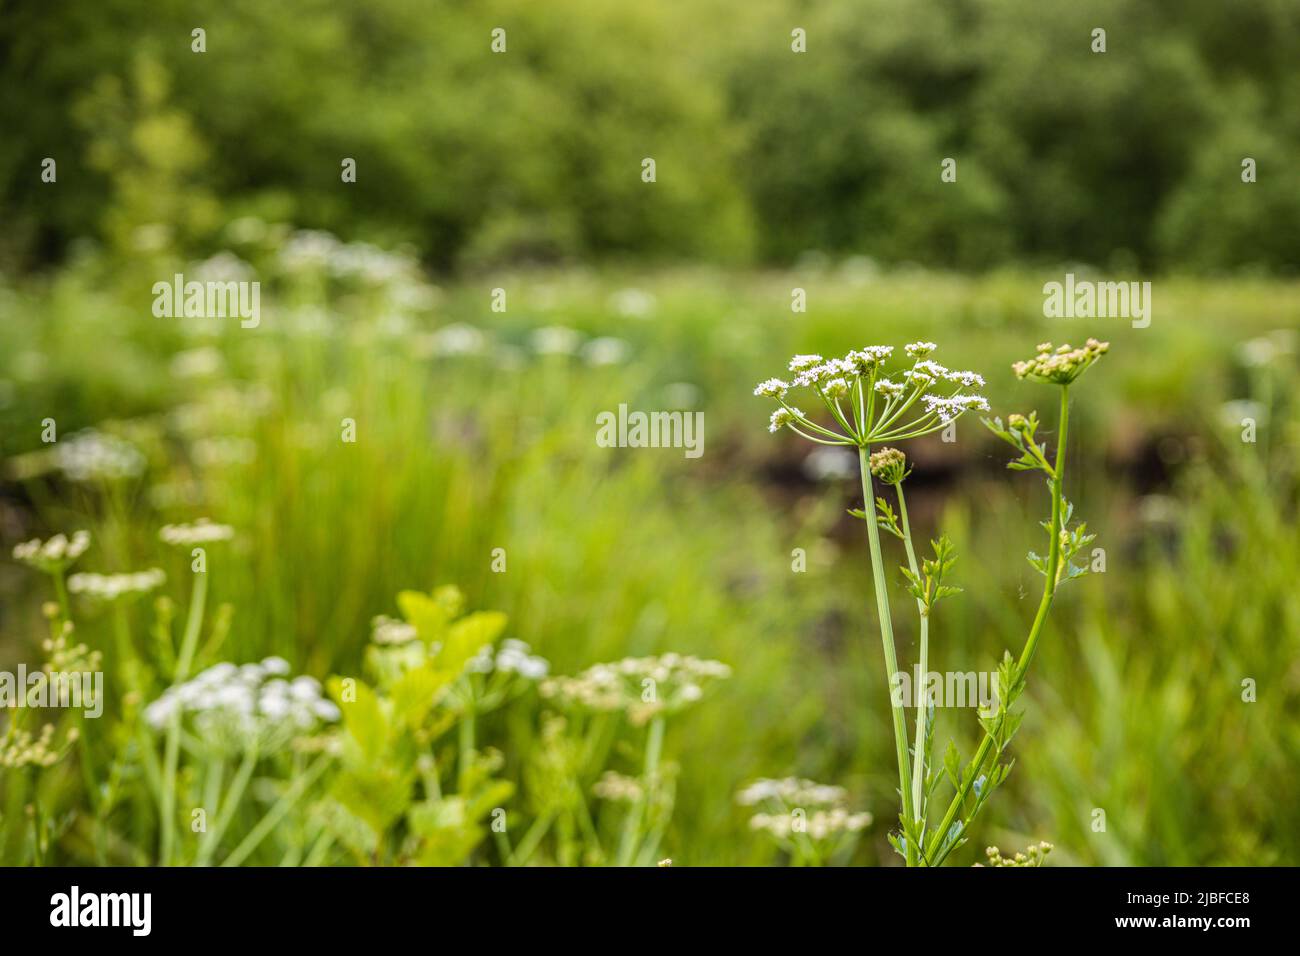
(1131, 157)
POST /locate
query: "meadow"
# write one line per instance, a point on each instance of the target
(386, 446)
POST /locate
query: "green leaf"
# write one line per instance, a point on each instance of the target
(414, 694)
(363, 718)
(378, 795)
(430, 613)
(465, 638)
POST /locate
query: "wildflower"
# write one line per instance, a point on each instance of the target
(1062, 366)
(89, 455)
(617, 787)
(951, 407)
(867, 360)
(641, 687)
(772, 388)
(202, 531)
(836, 388)
(18, 748)
(968, 379)
(110, 587)
(801, 363)
(792, 791)
(66, 658)
(858, 377)
(818, 825)
(513, 657)
(254, 705)
(54, 555)
(782, 417)
(1034, 855)
(795, 807)
(889, 465)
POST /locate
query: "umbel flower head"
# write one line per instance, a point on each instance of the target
(1062, 365)
(112, 587)
(54, 555)
(238, 708)
(203, 531)
(889, 465)
(801, 807)
(867, 403)
(641, 687)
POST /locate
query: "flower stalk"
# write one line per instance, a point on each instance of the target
(882, 409)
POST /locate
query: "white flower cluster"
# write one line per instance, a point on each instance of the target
(513, 657)
(89, 455)
(642, 687)
(84, 456)
(110, 587)
(52, 555)
(804, 807)
(202, 531)
(314, 249)
(857, 379)
(949, 408)
(617, 787)
(792, 792)
(818, 825)
(237, 708)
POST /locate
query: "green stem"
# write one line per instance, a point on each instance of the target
(190, 640)
(887, 641)
(1031, 643)
(61, 591)
(649, 780)
(465, 743)
(276, 813)
(918, 768)
(528, 845)
(212, 839)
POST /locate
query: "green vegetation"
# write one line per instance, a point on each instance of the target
(1128, 158)
(467, 630)
(475, 431)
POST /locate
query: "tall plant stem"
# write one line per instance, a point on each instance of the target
(918, 768)
(649, 784)
(1031, 643)
(190, 640)
(887, 641)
